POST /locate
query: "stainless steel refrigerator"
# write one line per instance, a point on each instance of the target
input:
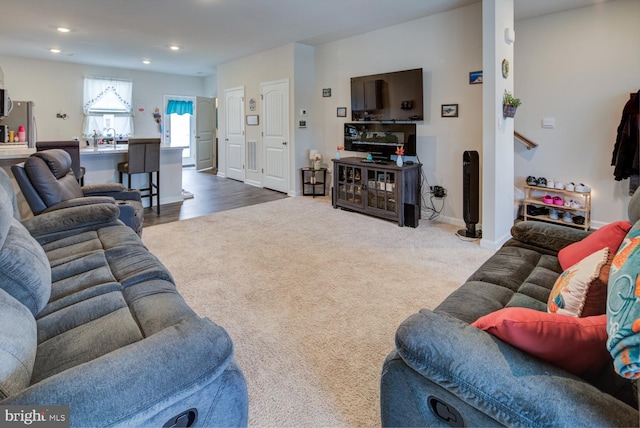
(22, 114)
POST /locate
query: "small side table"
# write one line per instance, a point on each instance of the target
(313, 181)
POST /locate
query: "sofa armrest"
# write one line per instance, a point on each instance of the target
(504, 383)
(114, 190)
(72, 219)
(145, 383)
(553, 237)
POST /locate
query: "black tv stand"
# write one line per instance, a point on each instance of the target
(387, 191)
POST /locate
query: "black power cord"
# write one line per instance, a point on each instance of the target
(437, 192)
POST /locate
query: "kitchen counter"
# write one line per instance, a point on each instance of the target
(101, 164)
(17, 151)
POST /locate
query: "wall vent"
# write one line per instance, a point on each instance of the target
(252, 155)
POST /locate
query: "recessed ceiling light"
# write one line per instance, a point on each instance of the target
(63, 30)
(174, 48)
(146, 61)
(55, 50)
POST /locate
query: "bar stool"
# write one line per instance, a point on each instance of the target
(144, 157)
(73, 148)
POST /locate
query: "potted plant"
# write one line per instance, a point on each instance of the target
(510, 104)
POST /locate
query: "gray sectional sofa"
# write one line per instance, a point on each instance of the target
(446, 372)
(91, 319)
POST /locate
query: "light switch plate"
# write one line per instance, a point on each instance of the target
(549, 122)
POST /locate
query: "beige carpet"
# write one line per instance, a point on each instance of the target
(311, 297)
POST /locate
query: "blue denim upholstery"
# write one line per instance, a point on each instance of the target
(113, 338)
(441, 361)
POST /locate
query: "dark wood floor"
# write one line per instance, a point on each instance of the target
(210, 194)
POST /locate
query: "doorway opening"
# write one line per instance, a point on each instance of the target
(180, 125)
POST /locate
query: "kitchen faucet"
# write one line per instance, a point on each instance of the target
(114, 136)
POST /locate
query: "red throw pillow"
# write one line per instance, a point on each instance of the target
(610, 236)
(577, 345)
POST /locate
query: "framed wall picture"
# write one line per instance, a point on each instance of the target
(475, 77)
(252, 119)
(449, 110)
(326, 92)
(341, 112)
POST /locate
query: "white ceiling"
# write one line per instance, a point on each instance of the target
(121, 33)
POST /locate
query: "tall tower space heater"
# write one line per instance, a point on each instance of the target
(470, 194)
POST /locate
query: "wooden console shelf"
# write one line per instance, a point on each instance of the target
(383, 190)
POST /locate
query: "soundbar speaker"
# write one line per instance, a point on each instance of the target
(470, 194)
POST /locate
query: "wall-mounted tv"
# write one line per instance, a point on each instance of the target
(395, 96)
(380, 139)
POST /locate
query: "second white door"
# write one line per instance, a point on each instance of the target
(234, 129)
(275, 135)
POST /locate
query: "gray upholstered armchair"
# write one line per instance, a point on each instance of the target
(48, 183)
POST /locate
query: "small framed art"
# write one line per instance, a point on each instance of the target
(326, 92)
(252, 119)
(341, 112)
(449, 110)
(475, 77)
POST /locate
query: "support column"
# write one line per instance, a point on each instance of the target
(497, 132)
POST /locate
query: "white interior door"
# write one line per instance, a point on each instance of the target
(205, 133)
(234, 129)
(275, 131)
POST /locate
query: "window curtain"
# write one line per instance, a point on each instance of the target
(179, 107)
(107, 96)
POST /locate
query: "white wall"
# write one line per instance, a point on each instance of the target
(447, 47)
(497, 155)
(57, 87)
(579, 68)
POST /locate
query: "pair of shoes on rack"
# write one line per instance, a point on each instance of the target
(532, 181)
(553, 215)
(570, 203)
(535, 211)
(555, 183)
(552, 200)
(582, 188)
(578, 219)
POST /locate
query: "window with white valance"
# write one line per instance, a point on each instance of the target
(107, 104)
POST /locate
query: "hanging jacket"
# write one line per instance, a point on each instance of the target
(626, 152)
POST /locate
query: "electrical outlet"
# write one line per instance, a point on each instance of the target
(439, 191)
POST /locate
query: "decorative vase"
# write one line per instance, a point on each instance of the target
(399, 160)
(338, 155)
(316, 164)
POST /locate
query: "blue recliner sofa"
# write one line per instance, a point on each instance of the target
(446, 372)
(92, 320)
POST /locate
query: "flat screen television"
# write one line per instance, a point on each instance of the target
(380, 139)
(396, 96)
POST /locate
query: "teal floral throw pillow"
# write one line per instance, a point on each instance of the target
(623, 306)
